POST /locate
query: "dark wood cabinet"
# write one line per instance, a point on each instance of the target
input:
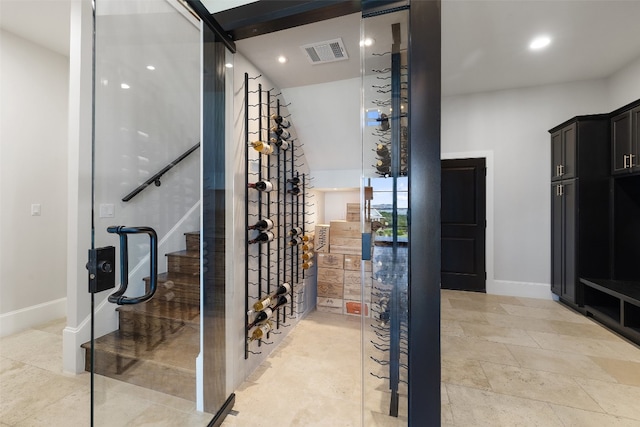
(563, 232)
(563, 153)
(579, 200)
(595, 217)
(625, 136)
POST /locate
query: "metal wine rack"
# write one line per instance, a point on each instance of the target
(272, 263)
(390, 258)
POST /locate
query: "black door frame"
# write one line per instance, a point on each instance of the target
(485, 221)
(423, 171)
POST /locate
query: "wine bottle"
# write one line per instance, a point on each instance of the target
(262, 186)
(384, 170)
(296, 191)
(294, 241)
(261, 317)
(307, 265)
(382, 150)
(384, 122)
(280, 121)
(280, 143)
(280, 133)
(308, 237)
(306, 256)
(267, 301)
(262, 225)
(282, 300)
(294, 181)
(263, 237)
(262, 147)
(308, 246)
(295, 231)
(383, 162)
(260, 332)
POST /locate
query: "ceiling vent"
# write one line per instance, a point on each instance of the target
(327, 51)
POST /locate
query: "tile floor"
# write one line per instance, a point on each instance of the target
(506, 361)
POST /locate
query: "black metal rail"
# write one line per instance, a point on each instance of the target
(155, 179)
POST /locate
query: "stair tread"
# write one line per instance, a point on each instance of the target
(185, 253)
(177, 351)
(162, 309)
(182, 278)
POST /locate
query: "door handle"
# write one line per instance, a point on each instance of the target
(118, 296)
(560, 190)
(624, 161)
(561, 170)
(631, 156)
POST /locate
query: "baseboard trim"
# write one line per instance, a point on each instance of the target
(25, 318)
(520, 289)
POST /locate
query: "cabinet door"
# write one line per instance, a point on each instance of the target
(556, 155)
(635, 141)
(620, 142)
(568, 167)
(557, 258)
(569, 223)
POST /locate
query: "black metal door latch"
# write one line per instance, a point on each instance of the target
(102, 271)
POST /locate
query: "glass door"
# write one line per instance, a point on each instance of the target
(145, 258)
(385, 194)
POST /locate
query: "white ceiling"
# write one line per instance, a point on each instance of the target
(484, 43)
(44, 22)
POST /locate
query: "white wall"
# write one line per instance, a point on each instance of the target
(326, 113)
(335, 204)
(513, 125)
(239, 368)
(33, 170)
(624, 86)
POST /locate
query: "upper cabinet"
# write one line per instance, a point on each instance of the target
(563, 153)
(625, 136)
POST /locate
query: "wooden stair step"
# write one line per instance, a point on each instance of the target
(157, 317)
(183, 262)
(177, 287)
(193, 241)
(166, 365)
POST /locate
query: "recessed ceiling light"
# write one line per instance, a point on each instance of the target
(150, 67)
(282, 59)
(540, 43)
(228, 65)
(367, 42)
(124, 86)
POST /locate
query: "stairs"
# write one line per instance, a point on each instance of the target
(158, 340)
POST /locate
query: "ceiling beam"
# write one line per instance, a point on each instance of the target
(264, 17)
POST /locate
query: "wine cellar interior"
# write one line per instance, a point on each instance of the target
(323, 213)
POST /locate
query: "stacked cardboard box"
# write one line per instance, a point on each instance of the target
(353, 212)
(321, 241)
(339, 269)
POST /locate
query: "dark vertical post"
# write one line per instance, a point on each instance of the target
(246, 210)
(394, 321)
(213, 313)
(424, 206)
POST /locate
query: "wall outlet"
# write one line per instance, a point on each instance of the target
(35, 209)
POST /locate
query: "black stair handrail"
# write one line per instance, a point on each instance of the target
(155, 179)
(118, 296)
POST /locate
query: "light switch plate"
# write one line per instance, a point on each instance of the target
(107, 210)
(35, 209)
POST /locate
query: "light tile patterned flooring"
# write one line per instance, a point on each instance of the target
(506, 361)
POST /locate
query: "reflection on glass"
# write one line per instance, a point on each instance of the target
(385, 151)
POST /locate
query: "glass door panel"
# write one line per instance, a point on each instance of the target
(386, 199)
(146, 204)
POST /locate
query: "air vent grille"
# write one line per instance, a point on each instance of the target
(326, 51)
